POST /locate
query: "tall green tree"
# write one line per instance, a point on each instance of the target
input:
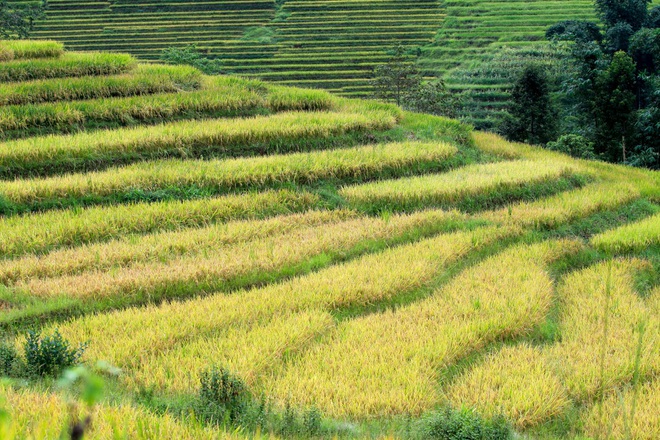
(394, 80)
(614, 107)
(632, 12)
(533, 119)
(17, 21)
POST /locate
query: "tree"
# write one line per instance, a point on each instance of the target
(653, 20)
(574, 30)
(396, 78)
(645, 50)
(632, 12)
(399, 81)
(17, 21)
(433, 98)
(614, 106)
(618, 37)
(532, 117)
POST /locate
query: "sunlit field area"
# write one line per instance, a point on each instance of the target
(232, 258)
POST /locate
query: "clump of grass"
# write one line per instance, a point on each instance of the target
(222, 397)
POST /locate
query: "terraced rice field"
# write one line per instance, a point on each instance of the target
(476, 45)
(376, 265)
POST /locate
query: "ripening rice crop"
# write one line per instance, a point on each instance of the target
(247, 351)
(554, 211)
(288, 131)
(146, 79)
(40, 233)
(633, 237)
(210, 270)
(449, 188)
(631, 414)
(219, 96)
(121, 336)
(531, 385)
(33, 415)
(27, 49)
(591, 298)
(225, 175)
(288, 98)
(514, 382)
(69, 64)
(498, 146)
(388, 363)
(645, 181)
(158, 247)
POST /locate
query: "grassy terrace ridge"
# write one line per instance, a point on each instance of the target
(372, 273)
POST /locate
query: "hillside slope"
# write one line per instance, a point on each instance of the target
(331, 253)
(333, 44)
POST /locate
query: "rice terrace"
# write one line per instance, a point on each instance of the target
(350, 219)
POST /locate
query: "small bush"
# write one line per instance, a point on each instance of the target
(191, 56)
(8, 359)
(259, 34)
(449, 424)
(50, 355)
(312, 422)
(223, 397)
(573, 145)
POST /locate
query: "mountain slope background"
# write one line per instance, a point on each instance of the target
(477, 46)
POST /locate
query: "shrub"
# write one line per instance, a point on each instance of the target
(449, 424)
(573, 145)
(259, 34)
(223, 397)
(312, 422)
(191, 56)
(50, 355)
(8, 358)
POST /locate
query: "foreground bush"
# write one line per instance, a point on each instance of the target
(50, 355)
(449, 424)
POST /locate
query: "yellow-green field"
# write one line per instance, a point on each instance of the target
(363, 272)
